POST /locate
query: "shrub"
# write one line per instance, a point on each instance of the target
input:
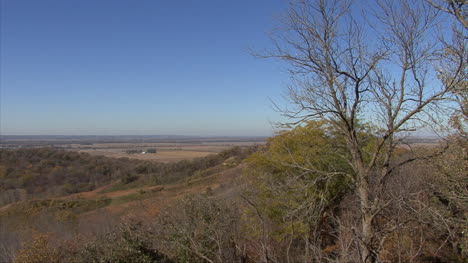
(39, 250)
(130, 242)
(201, 229)
(129, 178)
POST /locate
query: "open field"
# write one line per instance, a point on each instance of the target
(161, 156)
(166, 152)
(168, 148)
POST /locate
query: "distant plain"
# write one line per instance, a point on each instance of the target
(165, 152)
(168, 148)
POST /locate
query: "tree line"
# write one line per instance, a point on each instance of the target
(46, 172)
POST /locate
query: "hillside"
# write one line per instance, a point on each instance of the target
(46, 172)
(243, 204)
(67, 193)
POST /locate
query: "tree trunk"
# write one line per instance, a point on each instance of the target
(366, 246)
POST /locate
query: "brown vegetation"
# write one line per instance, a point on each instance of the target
(335, 187)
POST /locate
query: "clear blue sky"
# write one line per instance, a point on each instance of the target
(137, 67)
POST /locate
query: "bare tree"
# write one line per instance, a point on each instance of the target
(388, 70)
(199, 228)
(457, 8)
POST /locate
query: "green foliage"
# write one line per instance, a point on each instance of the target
(310, 154)
(308, 147)
(299, 175)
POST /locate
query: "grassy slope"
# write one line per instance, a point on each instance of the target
(136, 201)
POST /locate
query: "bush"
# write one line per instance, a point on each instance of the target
(201, 228)
(39, 250)
(129, 178)
(130, 242)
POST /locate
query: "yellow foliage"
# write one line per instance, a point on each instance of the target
(39, 250)
(297, 176)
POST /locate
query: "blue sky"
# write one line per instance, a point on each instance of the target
(113, 67)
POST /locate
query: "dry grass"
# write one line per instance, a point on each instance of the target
(163, 196)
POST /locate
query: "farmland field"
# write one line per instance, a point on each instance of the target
(168, 148)
(166, 152)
